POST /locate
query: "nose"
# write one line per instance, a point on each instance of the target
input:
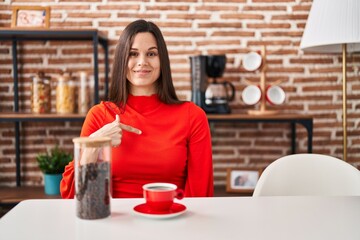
(142, 61)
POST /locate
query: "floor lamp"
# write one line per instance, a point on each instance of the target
(334, 27)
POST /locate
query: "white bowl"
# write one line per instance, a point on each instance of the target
(251, 95)
(252, 61)
(275, 95)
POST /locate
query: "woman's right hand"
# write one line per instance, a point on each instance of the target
(113, 130)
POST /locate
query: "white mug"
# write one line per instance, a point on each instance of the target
(251, 95)
(275, 95)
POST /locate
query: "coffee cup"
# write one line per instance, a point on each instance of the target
(252, 61)
(275, 95)
(160, 196)
(251, 94)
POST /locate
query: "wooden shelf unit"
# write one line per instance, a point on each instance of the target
(16, 35)
(292, 119)
(25, 117)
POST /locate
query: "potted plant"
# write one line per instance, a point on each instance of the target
(53, 165)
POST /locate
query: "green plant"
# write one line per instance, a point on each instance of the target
(55, 162)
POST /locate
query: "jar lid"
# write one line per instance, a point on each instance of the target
(36, 79)
(93, 141)
(41, 75)
(64, 77)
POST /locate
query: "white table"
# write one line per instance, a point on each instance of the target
(222, 218)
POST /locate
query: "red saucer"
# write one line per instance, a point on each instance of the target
(175, 210)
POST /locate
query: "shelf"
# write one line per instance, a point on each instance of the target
(10, 34)
(305, 120)
(276, 117)
(13, 195)
(16, 35)
(26, 117)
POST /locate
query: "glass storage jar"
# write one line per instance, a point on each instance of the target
(65, 94)
(84, 93)
(92, 176)
(40, 94)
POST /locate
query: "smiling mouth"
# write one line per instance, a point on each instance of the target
(142, 71)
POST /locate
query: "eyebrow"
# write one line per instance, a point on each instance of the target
(152, 48)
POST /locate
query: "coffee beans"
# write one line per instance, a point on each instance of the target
(92, 191)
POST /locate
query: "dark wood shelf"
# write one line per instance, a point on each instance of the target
(54, 34)
(269, 117)
(220, 191)
(305, 120)
(20, 117)
(16, 35)
(10, 196)
(14, 195)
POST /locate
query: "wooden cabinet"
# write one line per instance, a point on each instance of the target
(17, 35)
(305, 120)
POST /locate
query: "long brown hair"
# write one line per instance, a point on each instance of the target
(120, 88)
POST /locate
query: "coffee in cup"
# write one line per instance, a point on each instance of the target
(160, 196)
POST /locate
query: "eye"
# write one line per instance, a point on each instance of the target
(133, 54)
(153, 54)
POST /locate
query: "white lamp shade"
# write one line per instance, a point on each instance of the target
(330, 24)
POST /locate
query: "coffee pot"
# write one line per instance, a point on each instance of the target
(207, 92)
(219, 93)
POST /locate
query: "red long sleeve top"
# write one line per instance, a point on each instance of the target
(174, 147)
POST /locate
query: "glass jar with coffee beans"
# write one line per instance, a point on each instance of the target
(92, 177)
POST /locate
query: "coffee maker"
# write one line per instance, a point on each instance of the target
(207, 92)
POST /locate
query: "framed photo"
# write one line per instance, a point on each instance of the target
(242, 180)
(30, 17)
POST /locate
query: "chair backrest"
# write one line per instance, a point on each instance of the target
(308, 175)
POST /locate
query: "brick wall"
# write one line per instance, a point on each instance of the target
(313, 82)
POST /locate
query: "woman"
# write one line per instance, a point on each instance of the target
(155, 136)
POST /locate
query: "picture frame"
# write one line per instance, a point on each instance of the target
(242, 180)
(30, 17)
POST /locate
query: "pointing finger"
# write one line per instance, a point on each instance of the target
(117, 118)
(130, 128)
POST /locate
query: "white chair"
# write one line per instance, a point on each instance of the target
(308, 175)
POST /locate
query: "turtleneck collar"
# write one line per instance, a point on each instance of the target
(143, 104)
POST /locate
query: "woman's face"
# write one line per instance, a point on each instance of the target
(143, 65)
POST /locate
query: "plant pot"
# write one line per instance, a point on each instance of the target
(52, 183)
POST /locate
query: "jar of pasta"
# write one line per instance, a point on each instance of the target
(40, 94)
(84, 93)
(65, 94)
